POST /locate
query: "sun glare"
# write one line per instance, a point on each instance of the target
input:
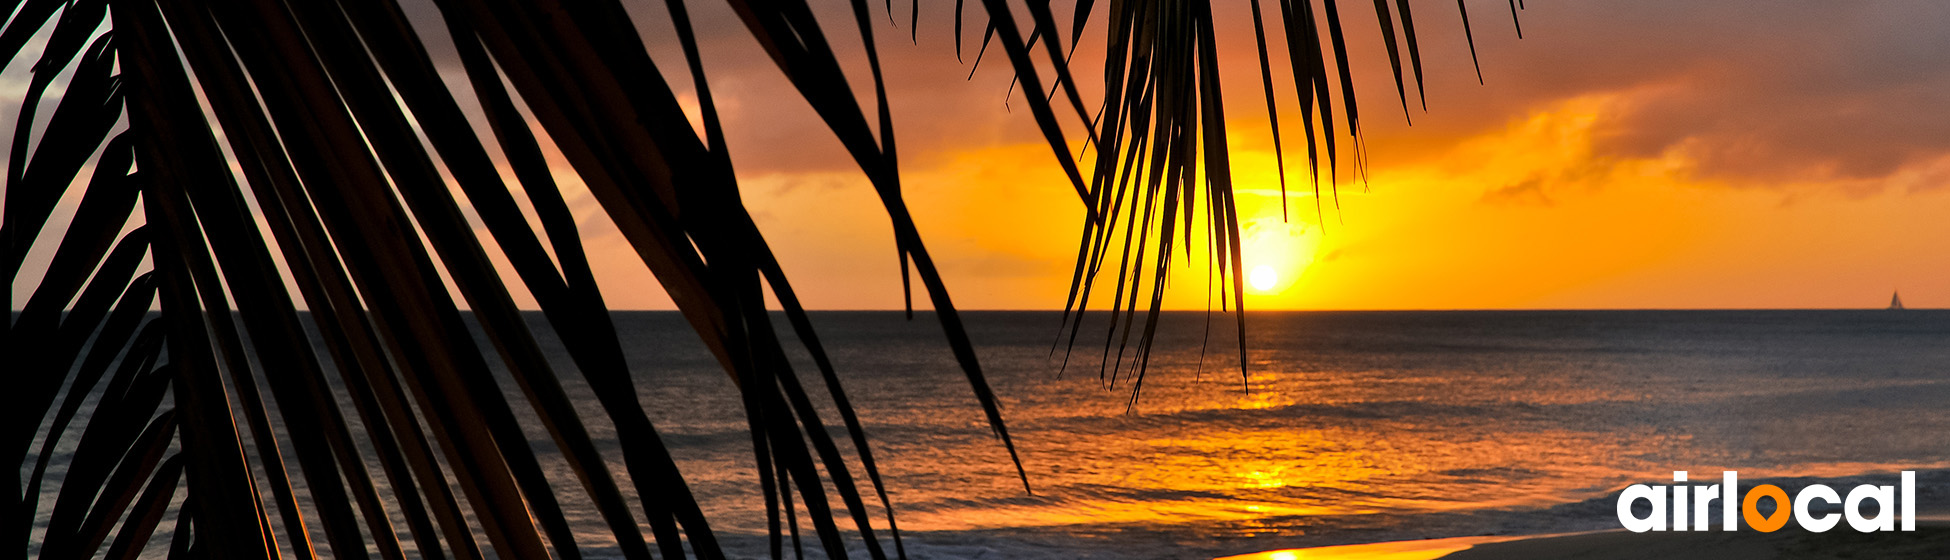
(1277, 254)
(1263, 278)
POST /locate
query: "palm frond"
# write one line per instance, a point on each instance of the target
(256, 173)
(1162, 117)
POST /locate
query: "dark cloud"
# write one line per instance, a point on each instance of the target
(1527, 192)
(1756, 93)
(935, 105)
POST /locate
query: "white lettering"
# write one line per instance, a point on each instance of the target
(1809, 521)
(1655, 495)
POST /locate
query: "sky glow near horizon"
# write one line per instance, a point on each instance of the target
(1662, 154)
(1641, 155)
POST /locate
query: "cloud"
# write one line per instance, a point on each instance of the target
(1530, 191)
(1760, 95)
(1782, 95)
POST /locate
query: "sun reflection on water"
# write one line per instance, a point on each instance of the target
(1346, 427)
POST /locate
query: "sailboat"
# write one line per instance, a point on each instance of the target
(1896, 301)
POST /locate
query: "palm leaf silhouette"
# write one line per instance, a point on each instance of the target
(1163, 114)
(256, 171)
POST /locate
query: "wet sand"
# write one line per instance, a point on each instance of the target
(1930, 540)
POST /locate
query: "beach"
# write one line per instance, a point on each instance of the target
(1930, 540)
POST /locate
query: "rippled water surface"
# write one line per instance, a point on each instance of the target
(1346, 427)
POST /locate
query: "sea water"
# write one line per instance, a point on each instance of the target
(1342, 427)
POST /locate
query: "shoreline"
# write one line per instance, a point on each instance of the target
(1931, 539)
(1421, 549)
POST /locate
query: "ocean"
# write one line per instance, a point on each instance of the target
(1346, 427)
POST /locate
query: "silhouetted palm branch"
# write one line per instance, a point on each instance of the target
(194, 127)
(1161, 115)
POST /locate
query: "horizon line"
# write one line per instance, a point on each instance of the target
(1216, 311)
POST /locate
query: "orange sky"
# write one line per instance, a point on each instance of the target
(1658, 154)
(1641, 156)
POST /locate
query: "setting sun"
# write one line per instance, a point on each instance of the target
(1263, 278)
(1278, 255)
